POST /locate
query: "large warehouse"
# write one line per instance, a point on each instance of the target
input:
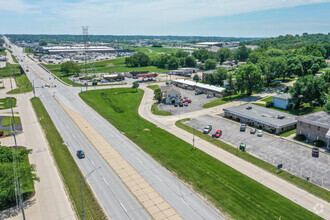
(261, 117)
(77, 49)
(206, 88)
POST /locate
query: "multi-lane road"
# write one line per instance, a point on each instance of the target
(117, 201)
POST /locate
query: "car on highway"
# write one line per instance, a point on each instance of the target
(218, 133)
(315, 152)
(242, 127)
(260, 132)
(207, 129)
(253, 131)
(80, 154)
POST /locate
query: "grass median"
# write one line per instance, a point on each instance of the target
(224, 100)
(5, 103)
(309, 187)
(23, 85)
(67, 166)
(229, 190)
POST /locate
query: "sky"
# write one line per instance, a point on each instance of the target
(228, 18)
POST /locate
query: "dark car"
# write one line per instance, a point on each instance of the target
(315, 152)
(186, 104)
(243, 127)
(176, 105)
(80, 154)
(180, 104)
(218, 133)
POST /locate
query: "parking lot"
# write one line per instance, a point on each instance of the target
(296, 159)
(197, 102)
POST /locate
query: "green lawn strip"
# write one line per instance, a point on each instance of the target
(6, 121)
(153, 87)
(267, 99)
(230, 191)
(309, 187)
(5, 102)
(10, 70)
(288, 133)
(224, 100)
(23, 84)
(67, 166)
(6, 132)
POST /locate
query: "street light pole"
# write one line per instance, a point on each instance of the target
(82, 199)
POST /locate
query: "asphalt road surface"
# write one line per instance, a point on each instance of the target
(118, 202)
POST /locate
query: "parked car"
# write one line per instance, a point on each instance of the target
(253, 131)
(197, 92)
(80, 154)
(260, 132)
(187, 100)
(218, 133)
(209, 96)
(207, 129)
(180, 104)
(242, 146)
(315, 152)
(243, 127)
(176, 105)
(186, 104)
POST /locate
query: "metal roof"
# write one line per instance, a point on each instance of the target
(200, 85)
(263, 115)
(284, 96)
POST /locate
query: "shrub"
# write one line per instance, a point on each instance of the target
(269, 104)
(272, 131)
(301, 137)
(319, 143)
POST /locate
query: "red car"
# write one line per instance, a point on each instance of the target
(218, 133)
(187, 100)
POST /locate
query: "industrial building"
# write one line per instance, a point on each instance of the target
(184, 71)
(263, 118)
(76, 49)
(315, 126)
(205, 88)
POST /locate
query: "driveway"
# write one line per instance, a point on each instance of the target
(197, 102)
(295, 158)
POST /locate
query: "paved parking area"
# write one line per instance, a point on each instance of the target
(197, 102)
(296, 159)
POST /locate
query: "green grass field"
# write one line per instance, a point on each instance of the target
(288, 133)
(10, 70)
(6, 121)
(69, 170)
(229, 190)
(267, 99)
(5, 102)
(310, 187)
(224, 100)
(23, 84)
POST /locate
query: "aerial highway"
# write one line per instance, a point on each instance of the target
(117, 201)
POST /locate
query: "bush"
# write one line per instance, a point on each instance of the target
(301, 137)
(269, 104)
(319, 143)
(272, 131)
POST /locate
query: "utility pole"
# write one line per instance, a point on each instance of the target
(138, 119)
(193, 138)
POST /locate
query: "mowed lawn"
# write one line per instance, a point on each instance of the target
(230, 191)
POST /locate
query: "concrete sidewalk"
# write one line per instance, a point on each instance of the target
(284, 188)
(51, 200)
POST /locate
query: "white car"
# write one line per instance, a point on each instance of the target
(259, 134)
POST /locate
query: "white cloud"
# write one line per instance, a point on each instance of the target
(17, 6)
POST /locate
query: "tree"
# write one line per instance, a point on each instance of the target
(264, 65)
(181, 53)
(223, 54)
(157, 44)
(135, 85)
(196, 78)
(158, 95)
(217, 77)
(173, 63)
(248, 78)
(242, 53)
(68, 67)
(42, 43)
(138, 59)
(202, 55)
(309, 89)
(294, 66)
(190, 62)
(230, 89)
(278, 66)
(327, 105)
(210, 64)
(316, 50)
(326, 77)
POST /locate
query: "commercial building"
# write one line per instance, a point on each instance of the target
(171, 94)
(76, 49)
(205, 88)
(260, 117)
(184, 71)
(315, 126)
(282, 100)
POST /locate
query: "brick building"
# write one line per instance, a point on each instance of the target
(315, 126)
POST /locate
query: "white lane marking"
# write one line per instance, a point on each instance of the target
(159, 178)
(92, 162)
(105, 181)
(138, 160)
(123, 207)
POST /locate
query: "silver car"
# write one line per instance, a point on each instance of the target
(260, 132)
(207, 129)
